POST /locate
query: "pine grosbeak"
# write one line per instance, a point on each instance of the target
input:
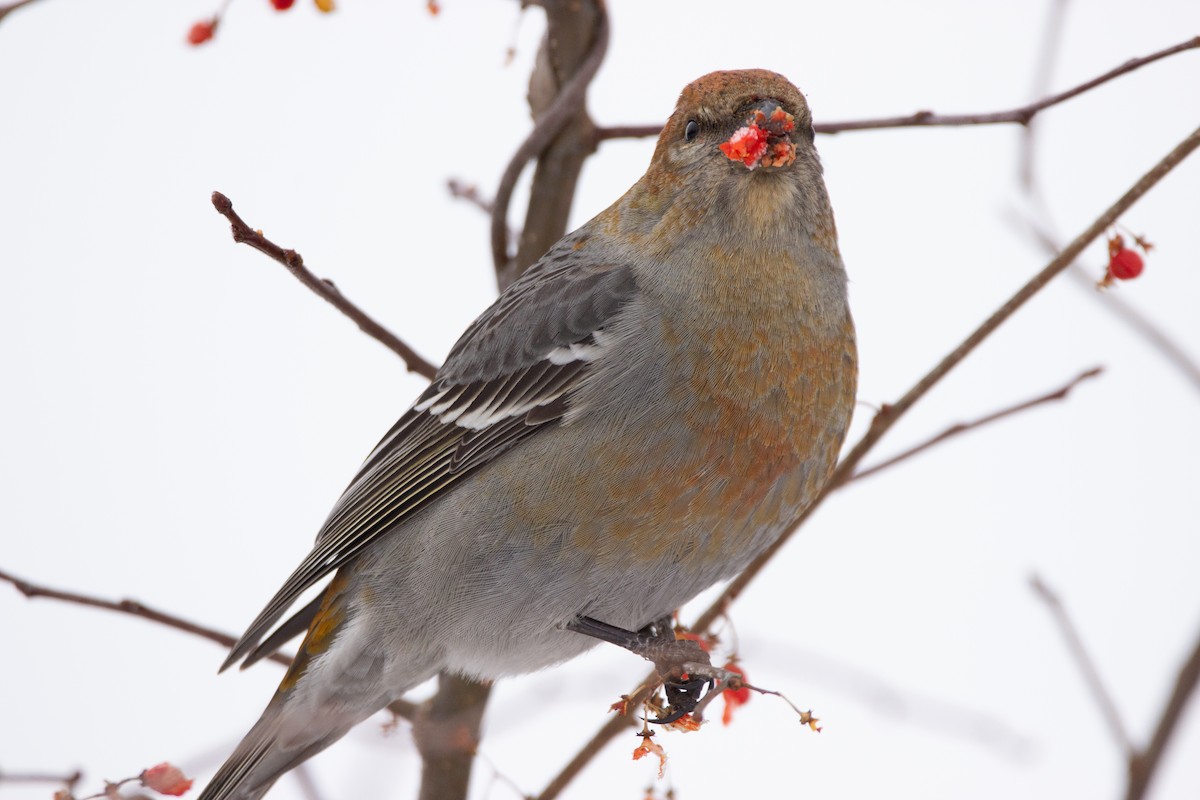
(633, 420)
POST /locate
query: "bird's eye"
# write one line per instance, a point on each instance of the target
(691, 131)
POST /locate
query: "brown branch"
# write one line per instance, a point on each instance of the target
(883, 422)
(1086, 664)
(469, 193)
(401, 708)
(1021, 115)
(1144, 764)
(34, 777)
(446, 732)
(1043, 73)
(132, 608)
(244, 234)
(962, 427)
(11, 7)
(566, 106)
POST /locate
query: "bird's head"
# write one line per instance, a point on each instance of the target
(737, 121)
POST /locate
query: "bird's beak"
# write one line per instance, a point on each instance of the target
(766, 138)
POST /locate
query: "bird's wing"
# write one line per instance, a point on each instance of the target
(509, 376)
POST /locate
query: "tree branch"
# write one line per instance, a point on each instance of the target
(962, 427)
(1087, 665)
(883, 422)
(35, 777)
(11, 7)
(446, 732)
(1143, 765)
(1021, 115)
(244, 234)
(566, 106)
(133, 608)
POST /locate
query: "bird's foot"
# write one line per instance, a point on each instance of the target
(683, 665)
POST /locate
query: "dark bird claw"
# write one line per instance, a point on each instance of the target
(682, 698)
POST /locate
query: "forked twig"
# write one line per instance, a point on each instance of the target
(962, 427)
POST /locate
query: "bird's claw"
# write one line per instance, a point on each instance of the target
(682, 697)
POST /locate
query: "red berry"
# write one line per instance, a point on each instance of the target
(1125, 264)
(282, 5)
(201, 32)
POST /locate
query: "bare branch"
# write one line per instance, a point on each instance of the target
(563, 108)
(244, 234)
(401, 708)
(11, 7)
(34, 777)
(130, 607)
(883, 422)
(1143, 766)
(928, 119)
(469, 193)
(446, 732)
(962, 427)
(1086, 664)
(1043, 73)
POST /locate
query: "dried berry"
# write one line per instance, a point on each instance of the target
(201, 32)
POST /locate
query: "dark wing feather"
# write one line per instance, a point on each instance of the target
(509, 376)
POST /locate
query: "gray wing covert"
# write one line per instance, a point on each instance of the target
(508, 376)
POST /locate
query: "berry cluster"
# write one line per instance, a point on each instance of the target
(206, 29)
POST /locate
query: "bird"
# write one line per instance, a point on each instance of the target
(646, 409)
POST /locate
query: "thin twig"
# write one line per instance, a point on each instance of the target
(962, 427)
(133, 608)
(1087, 666)
(1145, 763)
(11, 7)
(883, 422)
(244, 234)
(469, 193)
(1043, 76)
(568, 101)
(928, 119)
(130, 607)
(35, 777)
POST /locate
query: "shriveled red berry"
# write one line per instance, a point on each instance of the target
(283, 5)
(201, 32)
(1125, 264)
(734, 697)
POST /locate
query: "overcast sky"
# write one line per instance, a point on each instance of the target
(180, 414)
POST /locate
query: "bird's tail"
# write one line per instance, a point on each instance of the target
(340, 676)
(283, 737)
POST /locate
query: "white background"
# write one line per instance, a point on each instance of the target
(179, 413)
